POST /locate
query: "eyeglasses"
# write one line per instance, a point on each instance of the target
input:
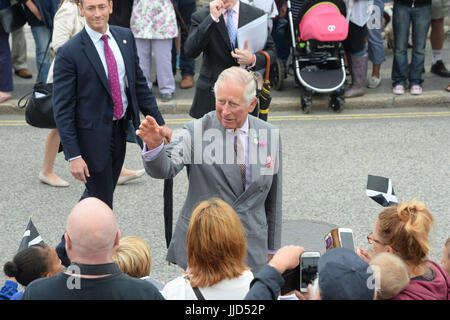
(371, 240)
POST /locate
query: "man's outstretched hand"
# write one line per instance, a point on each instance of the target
(153, 134)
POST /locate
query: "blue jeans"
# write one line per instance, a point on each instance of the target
(375, 42)
(401, 20)
(41, 35)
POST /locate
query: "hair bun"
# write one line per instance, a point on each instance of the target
(408, 211)
(404, 212)
(10, 269)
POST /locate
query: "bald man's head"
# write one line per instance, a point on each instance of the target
(91, 232)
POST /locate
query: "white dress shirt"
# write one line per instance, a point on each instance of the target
(99, 45)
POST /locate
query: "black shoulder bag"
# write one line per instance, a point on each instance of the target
(39, 105)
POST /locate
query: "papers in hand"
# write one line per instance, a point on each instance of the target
(381, 191)
(255, 32)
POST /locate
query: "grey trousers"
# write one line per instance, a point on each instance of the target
(18, 49)
(162, 53)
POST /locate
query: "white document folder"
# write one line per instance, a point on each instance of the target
(255, 32)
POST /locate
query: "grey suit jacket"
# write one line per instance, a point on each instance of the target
(213, 172)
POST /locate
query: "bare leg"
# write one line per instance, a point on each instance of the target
(437, 35)
(437, 38)
(47, 174)
(376, 70)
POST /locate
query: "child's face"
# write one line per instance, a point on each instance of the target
(445, 261)
(55, 265)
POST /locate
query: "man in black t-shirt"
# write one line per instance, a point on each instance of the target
(92, 233)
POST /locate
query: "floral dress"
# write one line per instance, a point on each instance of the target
(153, 19)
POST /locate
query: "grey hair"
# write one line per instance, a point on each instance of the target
(241, 76)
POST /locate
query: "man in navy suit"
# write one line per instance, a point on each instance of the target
(209, 34)
(92, 78)
(98, 90)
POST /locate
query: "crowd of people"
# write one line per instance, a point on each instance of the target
(104, 266)
(228, 235)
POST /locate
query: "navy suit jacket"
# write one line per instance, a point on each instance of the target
(82, 101)
(211, 39)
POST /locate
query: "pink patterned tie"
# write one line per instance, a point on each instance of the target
(113, 79)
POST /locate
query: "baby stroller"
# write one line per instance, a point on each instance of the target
(317, 29)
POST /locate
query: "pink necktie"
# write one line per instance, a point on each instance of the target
(113, 79)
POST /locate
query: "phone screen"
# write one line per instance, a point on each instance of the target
(347, 240)
(308, 271)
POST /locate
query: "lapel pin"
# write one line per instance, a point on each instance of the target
(125, 41)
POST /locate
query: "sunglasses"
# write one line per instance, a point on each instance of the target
(371, 240)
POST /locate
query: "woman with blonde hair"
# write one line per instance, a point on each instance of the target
(403, 230)
(216, 252)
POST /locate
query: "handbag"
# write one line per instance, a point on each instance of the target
(12, 18)
(39, 105)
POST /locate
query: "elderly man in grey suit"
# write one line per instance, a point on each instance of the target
(231, 155)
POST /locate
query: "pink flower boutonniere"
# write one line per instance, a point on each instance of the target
(262, 144)
(269, 162)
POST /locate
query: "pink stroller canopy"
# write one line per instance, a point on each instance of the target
(323, 22)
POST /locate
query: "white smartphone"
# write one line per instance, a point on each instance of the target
(308, 269)
(346, 238)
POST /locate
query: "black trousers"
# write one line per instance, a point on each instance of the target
(356, 39)
(101, 185)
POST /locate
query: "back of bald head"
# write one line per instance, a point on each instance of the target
(92, 227)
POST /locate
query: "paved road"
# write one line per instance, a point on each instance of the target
(327, 158)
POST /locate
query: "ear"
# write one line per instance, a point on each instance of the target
(110, 6)
(117, 238)
(68, 241)
(252, 105)
(389, 249)
(80, 7)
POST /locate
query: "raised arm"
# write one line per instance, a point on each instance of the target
(202, 25)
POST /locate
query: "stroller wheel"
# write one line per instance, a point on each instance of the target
(277, 71)
(306, 103)
(336, 105)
